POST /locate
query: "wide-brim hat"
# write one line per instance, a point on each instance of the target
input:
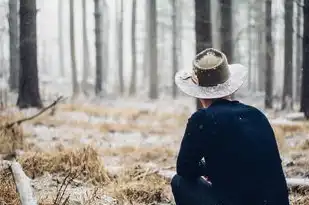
(212, 76)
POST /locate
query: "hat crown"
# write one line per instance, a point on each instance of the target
(211, 68)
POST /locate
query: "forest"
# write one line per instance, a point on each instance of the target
(89, 109)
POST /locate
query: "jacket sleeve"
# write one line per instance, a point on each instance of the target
(189, 163)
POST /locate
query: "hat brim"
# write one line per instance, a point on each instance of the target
(235, 81)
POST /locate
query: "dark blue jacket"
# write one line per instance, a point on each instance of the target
(241, 155)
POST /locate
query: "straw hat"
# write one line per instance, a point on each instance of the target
(212, 77)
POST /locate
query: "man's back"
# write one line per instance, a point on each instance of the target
(241, 154)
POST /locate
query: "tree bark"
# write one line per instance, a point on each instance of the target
(203, 29)
(226, 29)
(305, 70)
(298, 53)
(106, 42)
(288, 56)
(14, 51)
(60, 36)
(73, 56)
(269, 56)
(249, 15)
(260, 14)
(98, 47)
(86, 63)
(120, 49)
(28, 95)
(133, 43)
(152, 36)
(175, 44)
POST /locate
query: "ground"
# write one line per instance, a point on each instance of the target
(119, 151)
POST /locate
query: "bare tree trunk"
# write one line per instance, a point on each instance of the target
(60, 36)
(175, 43)
(28, 95)
(146, 45)
(249, 14)
(86, 63)
(14, 51)
(288, 55)
(203, 37)
(134, 65)
(260, 45)
(152, 36)
(98, 47)
(269, 56)
(298, 52)
(106, 27)
(73, 56)
(120, 49)
(305, 80)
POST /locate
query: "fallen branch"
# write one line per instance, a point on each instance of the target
(23, 185)
(18, 122)
(298, 182)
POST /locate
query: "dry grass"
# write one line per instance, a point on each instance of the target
(8, 194)
(86, 161)
(137, 185)
(130, 154)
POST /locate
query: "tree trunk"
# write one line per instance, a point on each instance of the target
(86, 63)
(60, 36)
(298, 53)
(133, 43)
(120, 49)
(226, 29)
(14, 51)
(28, 95)
(260, 14)
(288, 56)
(72, 44)
(152, 36)
(203, 37)
(175, 45)
(106, 27)
(146, 45)
(249, 15)
(269, 56)
(305, 80)
(98, 47)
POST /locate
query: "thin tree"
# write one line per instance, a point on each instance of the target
(288, 55)
(203, 37)
(226, 29)
(28, 94)
(120, 49)
(175, 44)
(60, 38)
(14, 51)
(305, 78)
(249, 35)
(133, 44)
(86, 63)
(98, 47)
(298, 51)
(146, 45)
(269, 56)
(73, 56)
(152, 36)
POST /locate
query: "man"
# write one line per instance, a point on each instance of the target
(231, 143)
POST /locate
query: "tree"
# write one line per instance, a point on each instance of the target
(175, 44)
(288, 55)
(85, 45)
(72, 45)
(98, 47)
(60, 36)
(203, 37)
(152, 36)
(269, 56)
(305, 71)
(298, 51)
(226, 28)
(28, 94)
(120, 48)
(133, 43)
(14, 52)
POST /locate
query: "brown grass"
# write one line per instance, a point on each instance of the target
(8, 194)
(138, 185)
(86, 161)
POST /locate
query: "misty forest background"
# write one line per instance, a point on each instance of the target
(133, 48)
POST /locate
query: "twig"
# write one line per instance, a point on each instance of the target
(18, 122)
